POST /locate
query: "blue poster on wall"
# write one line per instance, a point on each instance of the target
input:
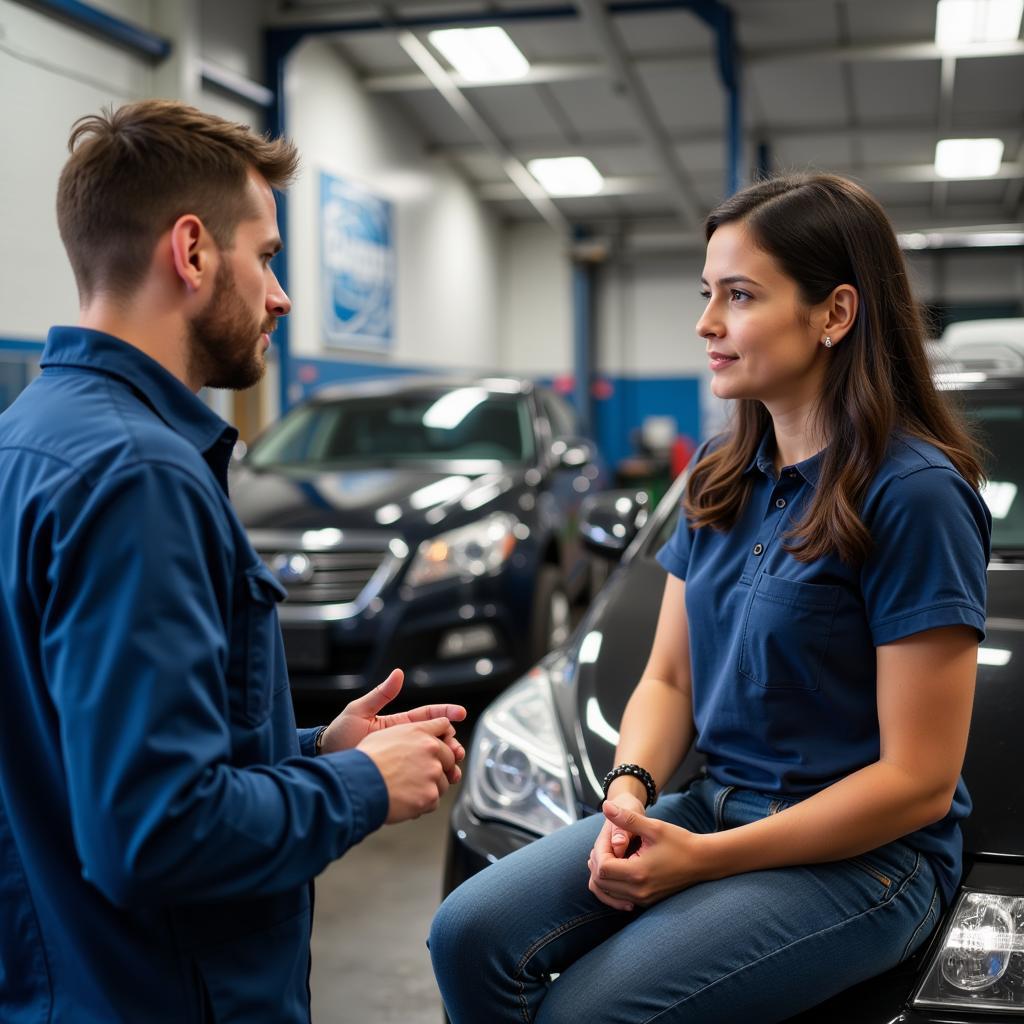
(357, 257)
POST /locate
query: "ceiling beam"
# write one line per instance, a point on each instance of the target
(652, 60)
(529, 148)
(641, 185)
(626, 81)
(524, 183)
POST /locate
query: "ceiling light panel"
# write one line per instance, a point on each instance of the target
(567, 176)
(968, 158)
(481, 54)
(962, 22)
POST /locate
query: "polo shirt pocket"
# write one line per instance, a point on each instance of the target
(263, 649)
(786, 633)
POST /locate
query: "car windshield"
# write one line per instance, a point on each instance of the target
(999, 419)
(425, 425)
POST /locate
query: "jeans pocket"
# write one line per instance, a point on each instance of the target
(786, 633)
(885, 882)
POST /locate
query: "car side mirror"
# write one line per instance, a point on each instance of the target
(609, 521)
(572, 452)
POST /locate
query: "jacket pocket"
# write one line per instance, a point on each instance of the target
(261, 638)
(786, 633)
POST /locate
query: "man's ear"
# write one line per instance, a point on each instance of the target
(191, 251)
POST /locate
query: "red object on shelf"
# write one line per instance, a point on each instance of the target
(682, 451)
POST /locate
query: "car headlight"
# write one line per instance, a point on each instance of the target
(518, 769)
(475, 550)
(980, 962)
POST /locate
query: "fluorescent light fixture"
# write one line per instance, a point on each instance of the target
(960, 239)
(968, 158)
(999, 496)
(961, 22)
(567, 176)
(993, 656)
(481, 54)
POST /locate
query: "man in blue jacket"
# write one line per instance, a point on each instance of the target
(161, 817)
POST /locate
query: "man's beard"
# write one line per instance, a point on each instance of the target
(225, 339)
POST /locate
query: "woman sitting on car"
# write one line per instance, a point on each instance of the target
(818, 639)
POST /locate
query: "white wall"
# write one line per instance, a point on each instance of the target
(50, 75)
(447, 243)
(536, 302)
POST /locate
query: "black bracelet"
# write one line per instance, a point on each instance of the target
(318, 743)
(637, 772)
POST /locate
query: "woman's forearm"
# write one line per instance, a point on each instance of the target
(656, 732)
(865, 810)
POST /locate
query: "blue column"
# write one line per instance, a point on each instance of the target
(584, 345)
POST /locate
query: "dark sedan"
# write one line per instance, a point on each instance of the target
(541, 748)
(425, 524)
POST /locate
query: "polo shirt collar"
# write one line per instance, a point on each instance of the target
(764, 460)
(183, 411)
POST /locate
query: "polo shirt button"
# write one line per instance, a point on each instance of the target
(758, 548)
(780, 502)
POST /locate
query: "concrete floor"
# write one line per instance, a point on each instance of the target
(373, 912)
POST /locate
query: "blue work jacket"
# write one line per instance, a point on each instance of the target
(161, 818)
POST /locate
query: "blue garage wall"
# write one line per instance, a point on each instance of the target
(630, 400)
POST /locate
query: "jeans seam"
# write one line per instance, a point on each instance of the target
(540, 943)
(803, 938)
(917, 930)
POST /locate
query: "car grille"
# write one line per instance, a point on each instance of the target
(338, 576)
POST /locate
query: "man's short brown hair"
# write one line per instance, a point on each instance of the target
(135, 170)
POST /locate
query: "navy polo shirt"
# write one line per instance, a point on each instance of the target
(160, 815)
(783, 651)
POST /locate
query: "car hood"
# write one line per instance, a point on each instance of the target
(610, 650)
(992, 765)
(407, 500)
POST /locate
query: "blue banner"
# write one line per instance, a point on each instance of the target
(357, 257)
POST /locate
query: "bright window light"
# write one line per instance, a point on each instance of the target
(961, 22)
(968, 158)
(481, 54)
(567, 176)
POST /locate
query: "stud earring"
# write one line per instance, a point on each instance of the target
(828, 341)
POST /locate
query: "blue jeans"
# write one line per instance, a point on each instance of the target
(754, 947)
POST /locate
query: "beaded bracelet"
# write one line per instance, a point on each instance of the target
(637, 772)
(318, 743)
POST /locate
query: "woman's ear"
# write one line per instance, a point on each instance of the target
(840, 312)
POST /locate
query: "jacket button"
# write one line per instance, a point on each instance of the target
(780, 502)
(758, 548)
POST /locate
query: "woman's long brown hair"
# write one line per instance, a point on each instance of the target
(824, 231)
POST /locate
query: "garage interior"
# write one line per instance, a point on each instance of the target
(590, 288)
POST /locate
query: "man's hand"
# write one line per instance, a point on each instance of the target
(361, 718)
(666, 861)
(416, 763)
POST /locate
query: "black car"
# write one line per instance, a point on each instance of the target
(541, 748)
(425, 524)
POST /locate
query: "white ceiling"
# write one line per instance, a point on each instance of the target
(853, 86)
